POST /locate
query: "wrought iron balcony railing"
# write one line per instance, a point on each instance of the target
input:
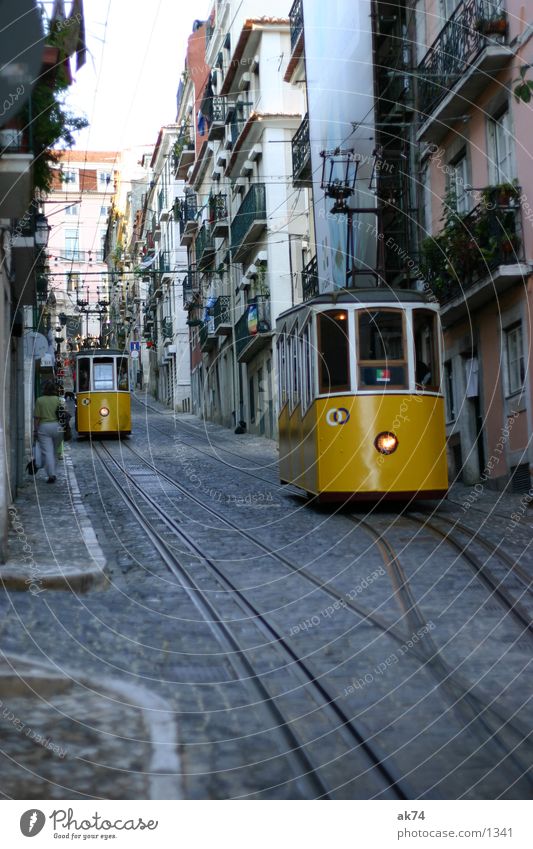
(205, 246)
(296, 17)
(222, 311)
(207, 335)
(253, 325)
(310, 280)
(250, 217)
(166, 328)
(468, 250)
(301, 154)
(191, 287)
(474, 25)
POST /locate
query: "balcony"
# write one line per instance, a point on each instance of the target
(222, 315)
(208, 338)
(477, 256)
(185, 211)
(469, 51)
(296, 17)
(302, 174)
(310, 280)
(205, 247)
(191, 288)
(253, 331)
(249, 222)
(166, 328)
(219, 110)
(218, 215)
(184, 154)
(15, 173)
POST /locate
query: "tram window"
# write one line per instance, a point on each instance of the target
(103, 374)
(84, 372)
(122, 374)
(281, 369)
(333, 351)
(295, 394)
(426, 360)
(382, 360)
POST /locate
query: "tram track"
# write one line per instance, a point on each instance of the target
(460, 692)
(377, 765)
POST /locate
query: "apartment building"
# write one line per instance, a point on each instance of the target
(242, 222)
(476, 186)
(77, 209)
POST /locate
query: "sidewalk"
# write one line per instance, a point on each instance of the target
(52, 544)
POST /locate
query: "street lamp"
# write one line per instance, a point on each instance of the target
(42, 230)
(339, 175)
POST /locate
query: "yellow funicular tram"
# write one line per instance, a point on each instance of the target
(362, 411)
(103, 404)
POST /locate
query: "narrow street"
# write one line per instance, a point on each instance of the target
(193, 629)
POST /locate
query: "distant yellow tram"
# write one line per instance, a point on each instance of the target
(103, 403)
(362, 410)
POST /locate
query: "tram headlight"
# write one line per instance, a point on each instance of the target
(386, 442)
(103, 411)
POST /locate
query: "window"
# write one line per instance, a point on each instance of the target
(333, 351)
(72, 246)
(104, 179)
(70, 178)
(73, 282)
(84, 371)
(307, 367)
(450, 396)
(382, 360)
(103, 210)
(501, 159)
(426, 350)
(251, 396)
(458, 181)
(515, 359)
(103, 374)
(122, 374)
(73, 209)
(294, 375)
(282, 386)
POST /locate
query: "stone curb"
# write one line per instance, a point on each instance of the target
(21, 675)
(38, 577)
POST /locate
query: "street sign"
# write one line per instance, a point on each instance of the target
(134, 355)
(135, 346)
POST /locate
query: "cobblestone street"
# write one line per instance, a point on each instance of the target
(177, 624)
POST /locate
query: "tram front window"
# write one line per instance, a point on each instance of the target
(84, 371)
(426, 360)
(382, 361)
(122, 375)
(103, 374)
(334, 360)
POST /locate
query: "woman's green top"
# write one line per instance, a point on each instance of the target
(45, 408)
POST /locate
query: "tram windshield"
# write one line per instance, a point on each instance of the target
(333, 343)
(84, 374)
(427, 374)
(103, 374)
(122, 374)
(382, 357)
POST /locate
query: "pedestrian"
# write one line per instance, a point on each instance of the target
(47, 427)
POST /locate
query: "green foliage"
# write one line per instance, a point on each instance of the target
(50, 124)
(523, 88)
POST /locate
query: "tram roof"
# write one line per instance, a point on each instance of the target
(101, 352)
(374, 295)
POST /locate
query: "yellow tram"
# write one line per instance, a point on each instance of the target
(361, 405)
(103, 403)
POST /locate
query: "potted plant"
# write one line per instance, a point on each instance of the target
(495, 25)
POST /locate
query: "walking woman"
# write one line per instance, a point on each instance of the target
(47, 427)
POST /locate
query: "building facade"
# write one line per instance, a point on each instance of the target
(246, 234)
(475, 189)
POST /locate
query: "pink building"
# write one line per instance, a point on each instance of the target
(476, 197)
(77, 210)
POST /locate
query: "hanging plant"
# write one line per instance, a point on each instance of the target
(523, 88)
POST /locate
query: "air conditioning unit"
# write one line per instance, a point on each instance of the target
(245, 283)
(244, 82)
(216, 174)
(247, 168)
(240, 183)
(261, 257)
(251, 271)
(222, 158)
(254, 65)
(255, 152)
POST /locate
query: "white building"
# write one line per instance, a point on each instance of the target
(247, 235)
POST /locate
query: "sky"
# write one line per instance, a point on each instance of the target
(136, 53)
